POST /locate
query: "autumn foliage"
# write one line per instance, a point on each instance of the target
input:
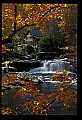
(30, 14)
(3, 49)
(37, 15)
(40, 103)
(8, 111)
(65, 76)
(11, 78)
(5, 79)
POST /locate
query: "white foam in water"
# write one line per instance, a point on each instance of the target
(53, 65)
(50, 67)
(55, 82)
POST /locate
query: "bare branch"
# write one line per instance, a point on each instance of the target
(48, 10)
(11, 35)
(55, 99)
(51, 8)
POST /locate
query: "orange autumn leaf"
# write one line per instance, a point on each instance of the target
(3, 49)
(25, 104)
(11, 77)
(54, 76)
(42, 96)
(4, 80)
(44, 110)
(32, 12)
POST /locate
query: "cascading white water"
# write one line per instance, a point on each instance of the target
(49, 67)
(56, 64)
(53, 65)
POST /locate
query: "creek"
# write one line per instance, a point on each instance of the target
(48, 67)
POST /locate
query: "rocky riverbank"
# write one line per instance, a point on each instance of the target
(71, 53)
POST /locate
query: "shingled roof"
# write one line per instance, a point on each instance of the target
(34, 33)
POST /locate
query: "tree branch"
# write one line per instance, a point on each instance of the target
(55, 99)
(48, 10)
(11, 35)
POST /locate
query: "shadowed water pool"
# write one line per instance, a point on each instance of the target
(16, 104)
(48, 67)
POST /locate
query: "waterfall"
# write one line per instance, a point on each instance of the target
(53, 65)
(46, 65)
(56, 64)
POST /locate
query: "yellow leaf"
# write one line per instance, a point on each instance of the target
(2, 28)
(38, 103)
(38, 90)
(44, 110)
(6, 37)
(6, 10)
(2, 93)
(24, 89)
(57, 98)
(61, 89)
(12, 28)
(66, 104)
(6, 15)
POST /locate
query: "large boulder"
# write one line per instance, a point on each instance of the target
(25, 65)
(47, 55)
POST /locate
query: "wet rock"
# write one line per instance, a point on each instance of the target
(47, 55)
(23, 75)
(25, 65)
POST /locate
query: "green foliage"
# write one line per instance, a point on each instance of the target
(18, 40)
(56, 35)
(16, 59)
(46, 44)
(70, 28)
(52, 37)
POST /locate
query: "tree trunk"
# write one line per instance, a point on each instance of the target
(15, 18)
